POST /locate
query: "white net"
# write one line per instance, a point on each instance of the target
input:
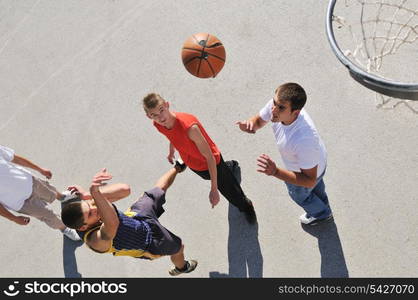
(380, 37)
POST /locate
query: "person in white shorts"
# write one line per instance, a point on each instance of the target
(301, 148)
(26, 194)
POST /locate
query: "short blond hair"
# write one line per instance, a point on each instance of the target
(151, 101)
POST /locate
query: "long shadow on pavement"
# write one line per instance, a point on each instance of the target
(69, 259)
(332, 255)
(244, 253)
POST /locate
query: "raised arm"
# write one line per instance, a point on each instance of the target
(252, 124)
(109, 218)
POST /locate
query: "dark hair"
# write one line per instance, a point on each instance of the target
(293, 93)
(72, 215)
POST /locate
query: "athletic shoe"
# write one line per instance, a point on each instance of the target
(314, 221)
(180, 165)
(191, 265)
(67, 196)
(71, 234)
(250, 213)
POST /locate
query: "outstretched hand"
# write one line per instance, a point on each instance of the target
(47, 173)
(100, 178)
(21, 220)
(214, 198)
(171, 157)
(267, 165)
(246, 126)
(79, 191)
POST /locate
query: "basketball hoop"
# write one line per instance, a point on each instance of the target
(379, 29)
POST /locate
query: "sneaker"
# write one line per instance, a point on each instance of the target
(180, 165)
(67, 196)
(71, 234)
(191, 265)
(313, 221)
(250, 213)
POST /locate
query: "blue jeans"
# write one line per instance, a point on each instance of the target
(313, 200)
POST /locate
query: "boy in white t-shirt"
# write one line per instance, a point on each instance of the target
(23, 193)
(301, 148)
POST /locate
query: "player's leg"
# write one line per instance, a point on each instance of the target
(230, 188)
(36, 207)
(180, 264)
(39, 209)
(166, 180)
(314, 207)
(164, 242)
(43, 190)
(319, 190)
(178, 258)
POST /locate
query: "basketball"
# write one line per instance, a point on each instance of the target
(203, 55)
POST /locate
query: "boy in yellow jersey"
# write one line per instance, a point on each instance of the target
(137, 232)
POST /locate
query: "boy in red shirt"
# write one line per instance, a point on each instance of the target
(199, 153)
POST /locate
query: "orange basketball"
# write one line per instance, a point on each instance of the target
(203, 55)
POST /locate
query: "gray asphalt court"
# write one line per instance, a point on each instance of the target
(73, 74)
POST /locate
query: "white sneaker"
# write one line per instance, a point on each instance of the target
(191, 265)
(71, 234)
(67, 196)
(313, 221)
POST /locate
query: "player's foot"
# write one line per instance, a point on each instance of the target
(314, 221)
(179, 165)
(189, 267)
(250, 213)
(67, 196)
(71, 234)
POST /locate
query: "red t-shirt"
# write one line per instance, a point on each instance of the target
(187, 149)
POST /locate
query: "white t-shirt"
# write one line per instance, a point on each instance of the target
(15, 181)
(299, 143)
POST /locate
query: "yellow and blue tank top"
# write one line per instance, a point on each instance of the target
(132, 238)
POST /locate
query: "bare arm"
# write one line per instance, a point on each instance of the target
(21, 220)
(170, 156)
(196, 136)
(252, 124)
(107, 213)
(19, 160)
(306, 178)
(112, 192)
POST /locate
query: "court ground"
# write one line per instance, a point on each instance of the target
(72, 76)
